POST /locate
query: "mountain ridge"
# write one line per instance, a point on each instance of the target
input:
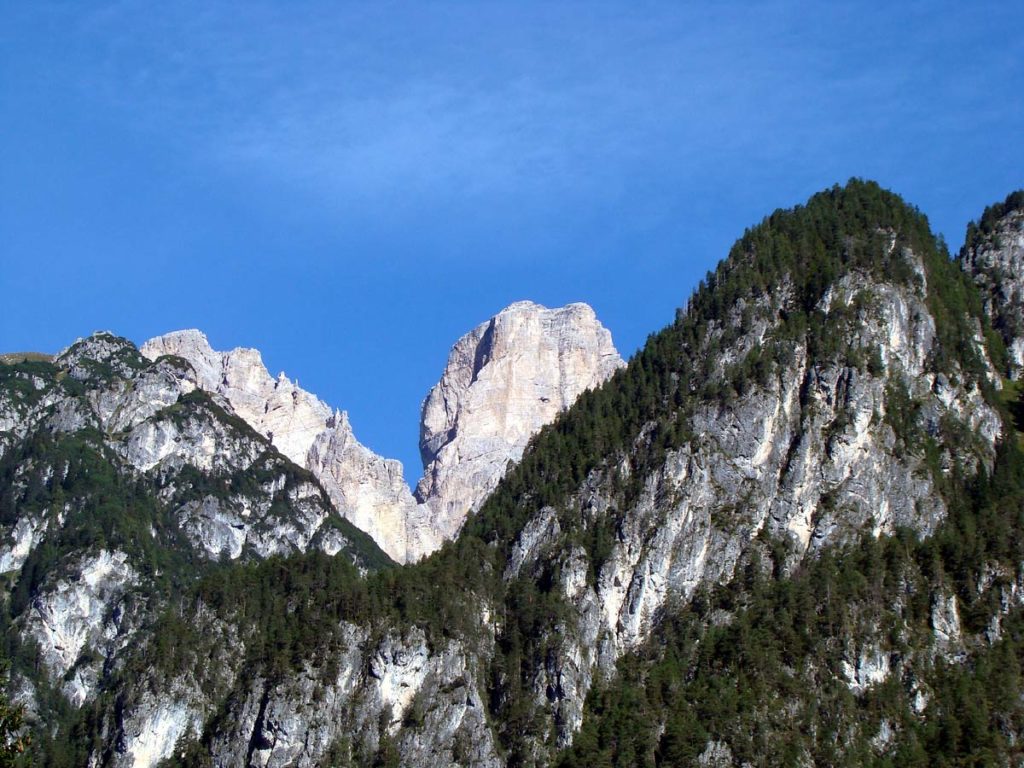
(477, 419)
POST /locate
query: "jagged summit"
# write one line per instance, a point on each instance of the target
(368, 490)
(503, 381)
(275, 407)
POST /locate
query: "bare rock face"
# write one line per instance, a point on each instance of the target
(82, 612)
(994, 258)
(276, 408)
(367, 489)
(504, 380)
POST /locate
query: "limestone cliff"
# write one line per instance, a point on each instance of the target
(994, 257)
(504, 380)
(367, 489)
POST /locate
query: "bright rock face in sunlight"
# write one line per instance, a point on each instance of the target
(366, 488)
(504, 380)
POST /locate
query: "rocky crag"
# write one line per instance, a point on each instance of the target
(368, 490)
(994, 257)
(120, 480)
(503, 381)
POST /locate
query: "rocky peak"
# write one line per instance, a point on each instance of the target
(276, 408)
(366, 489)
(504, 380)
(101, 355)
(993, 255)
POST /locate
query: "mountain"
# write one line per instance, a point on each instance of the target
(503, 381)
(120, 480)
(366, 489)
(787, 532)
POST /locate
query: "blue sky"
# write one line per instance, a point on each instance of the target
(350, 187)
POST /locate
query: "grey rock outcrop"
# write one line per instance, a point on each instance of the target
(504, 380)
(84, 613)
(365, 488)
(425, 701)
(811, 456)
(995, 260)
(277, 408)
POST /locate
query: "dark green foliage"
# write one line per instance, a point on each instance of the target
(16, 379)
(13, 740)
(1016, 406)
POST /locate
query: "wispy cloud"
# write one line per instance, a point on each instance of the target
(385, 104)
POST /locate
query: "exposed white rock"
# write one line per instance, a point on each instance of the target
(399, 669)
(21, 413)
(946, 622)
(884, 737)
(276, 408)
(128, 402)
(198, 440)
(871, 667)
(193, 450)
(100, 353)
(919, 702)
(370, 491)
(27, 532)
(716, 754)
(78, 613)
(150, 736)
(997, 266)
(504, 380)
